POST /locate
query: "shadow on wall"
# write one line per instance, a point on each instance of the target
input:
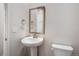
(25, 51)
(1, 44)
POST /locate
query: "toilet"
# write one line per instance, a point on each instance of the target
(62, 50)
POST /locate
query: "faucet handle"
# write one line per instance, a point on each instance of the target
(35, 34)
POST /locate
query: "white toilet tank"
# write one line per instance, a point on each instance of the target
(62, 50)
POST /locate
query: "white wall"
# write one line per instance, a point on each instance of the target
(2, 25)
(16, 12)
(62, 26)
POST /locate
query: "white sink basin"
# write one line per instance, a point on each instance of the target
(32, 42)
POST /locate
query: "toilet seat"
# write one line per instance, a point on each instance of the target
(64, 47)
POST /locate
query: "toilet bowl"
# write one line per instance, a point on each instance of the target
(62, 50)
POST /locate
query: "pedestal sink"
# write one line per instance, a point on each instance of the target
(32, 43)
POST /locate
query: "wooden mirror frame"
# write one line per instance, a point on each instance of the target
(41, 7)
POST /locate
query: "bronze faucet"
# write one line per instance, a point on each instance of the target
(35, 34)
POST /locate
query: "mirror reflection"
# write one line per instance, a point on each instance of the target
(37, 20)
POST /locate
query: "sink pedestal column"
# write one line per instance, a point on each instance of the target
(33, 51)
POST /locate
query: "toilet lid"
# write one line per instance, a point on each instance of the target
(64, 47)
